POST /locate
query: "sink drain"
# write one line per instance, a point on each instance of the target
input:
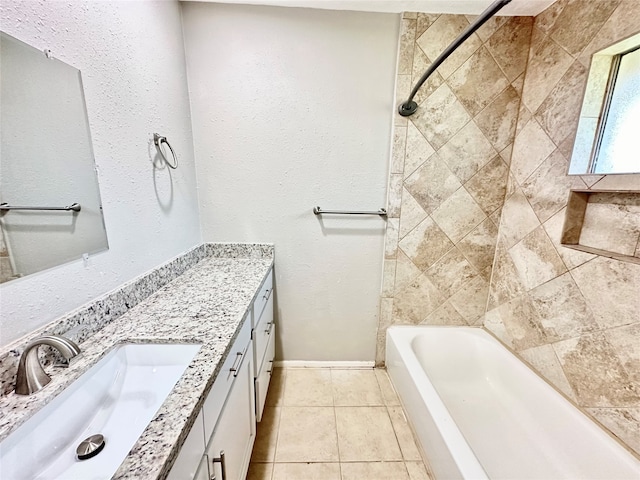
(90, 447)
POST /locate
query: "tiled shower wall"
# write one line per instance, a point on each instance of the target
(574, 316)
(449, 169)
(463, 192)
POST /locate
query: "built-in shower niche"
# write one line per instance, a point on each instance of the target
(605, 222)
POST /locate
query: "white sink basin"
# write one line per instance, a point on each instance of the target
(117, 398)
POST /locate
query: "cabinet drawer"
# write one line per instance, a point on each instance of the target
(264, 375)
(263, 331)
(264, 294)
(215, 400)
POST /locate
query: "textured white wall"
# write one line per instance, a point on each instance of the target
(131, 56)
(292, 108)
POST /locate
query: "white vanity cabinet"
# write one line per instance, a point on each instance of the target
(219, 444)
(264, 333)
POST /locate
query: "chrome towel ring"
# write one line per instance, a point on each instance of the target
(159, 140)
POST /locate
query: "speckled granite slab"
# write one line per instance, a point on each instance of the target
(206, 302)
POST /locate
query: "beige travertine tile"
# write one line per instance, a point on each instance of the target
(626, 342)
(498, 119)
(458, 215)
(425, 20)
(432, 183)
(411, 215)
(518, 219)
(440, 116)
(450, 272)
(489, 28)
(547, 66)
(532, 146)
(521, 323)
(544, 360)
(571, 258)
(537, 38)
(488, 186)
(391, 238)
(416, 302)
(562, 309)
(420, 64)
(518, 84)
(260, 471)
(306, 387)
(478, 81)
(590, 16)
(536, 259)
(610, 289)
(275, 394)
(365, 434)
(467, 152)
(438, 37)
(445, 314)
(404, 434)
(374, 470)
(545, 20)
(613, 182)
(547, 189)
(595, 372)
(612, 222)
(385, 320)
(558, 114)
(505, 282)
(425, 244)
(388, 392)
(624, 22)
(406, 272)
(506, 154)
(471, 300)
(493, 323)
(306, 471)
(407, 42)
(403, 88)
(623, 422)
(510, 46)
(395, 195)
(307, 434)
(418, 150)
(264, 448)
(399, 149)
(388, 277)
(413, 15)
(479, 246)
(355, 388)
(524, 116)
(417, 471)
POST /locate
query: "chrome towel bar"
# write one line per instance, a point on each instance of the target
(74, 206)
(319, 211)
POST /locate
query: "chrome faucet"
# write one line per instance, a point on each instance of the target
(31, 377)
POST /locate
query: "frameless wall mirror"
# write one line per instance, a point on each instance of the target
(46, 164)
(608, 139)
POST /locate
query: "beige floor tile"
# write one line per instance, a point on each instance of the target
(264, 448)
(366, 434)
(260, 471)
(386, 387)
(355, 388)
(276, 387)
(374, 471)
(417, 471)
(308, 387)
(307, 434)
(404, 434)
(306, 471)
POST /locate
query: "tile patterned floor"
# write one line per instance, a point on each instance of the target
(334, 424)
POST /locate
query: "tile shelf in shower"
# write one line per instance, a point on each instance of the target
(604, 222)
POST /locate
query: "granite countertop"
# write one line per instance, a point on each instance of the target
(205, 305)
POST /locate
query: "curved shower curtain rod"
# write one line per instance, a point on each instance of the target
(410, 106)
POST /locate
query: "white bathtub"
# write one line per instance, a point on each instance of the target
(480, 413)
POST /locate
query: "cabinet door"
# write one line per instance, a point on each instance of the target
(186, 465)
(235, 430)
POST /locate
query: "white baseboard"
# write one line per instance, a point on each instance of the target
(322, 364)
